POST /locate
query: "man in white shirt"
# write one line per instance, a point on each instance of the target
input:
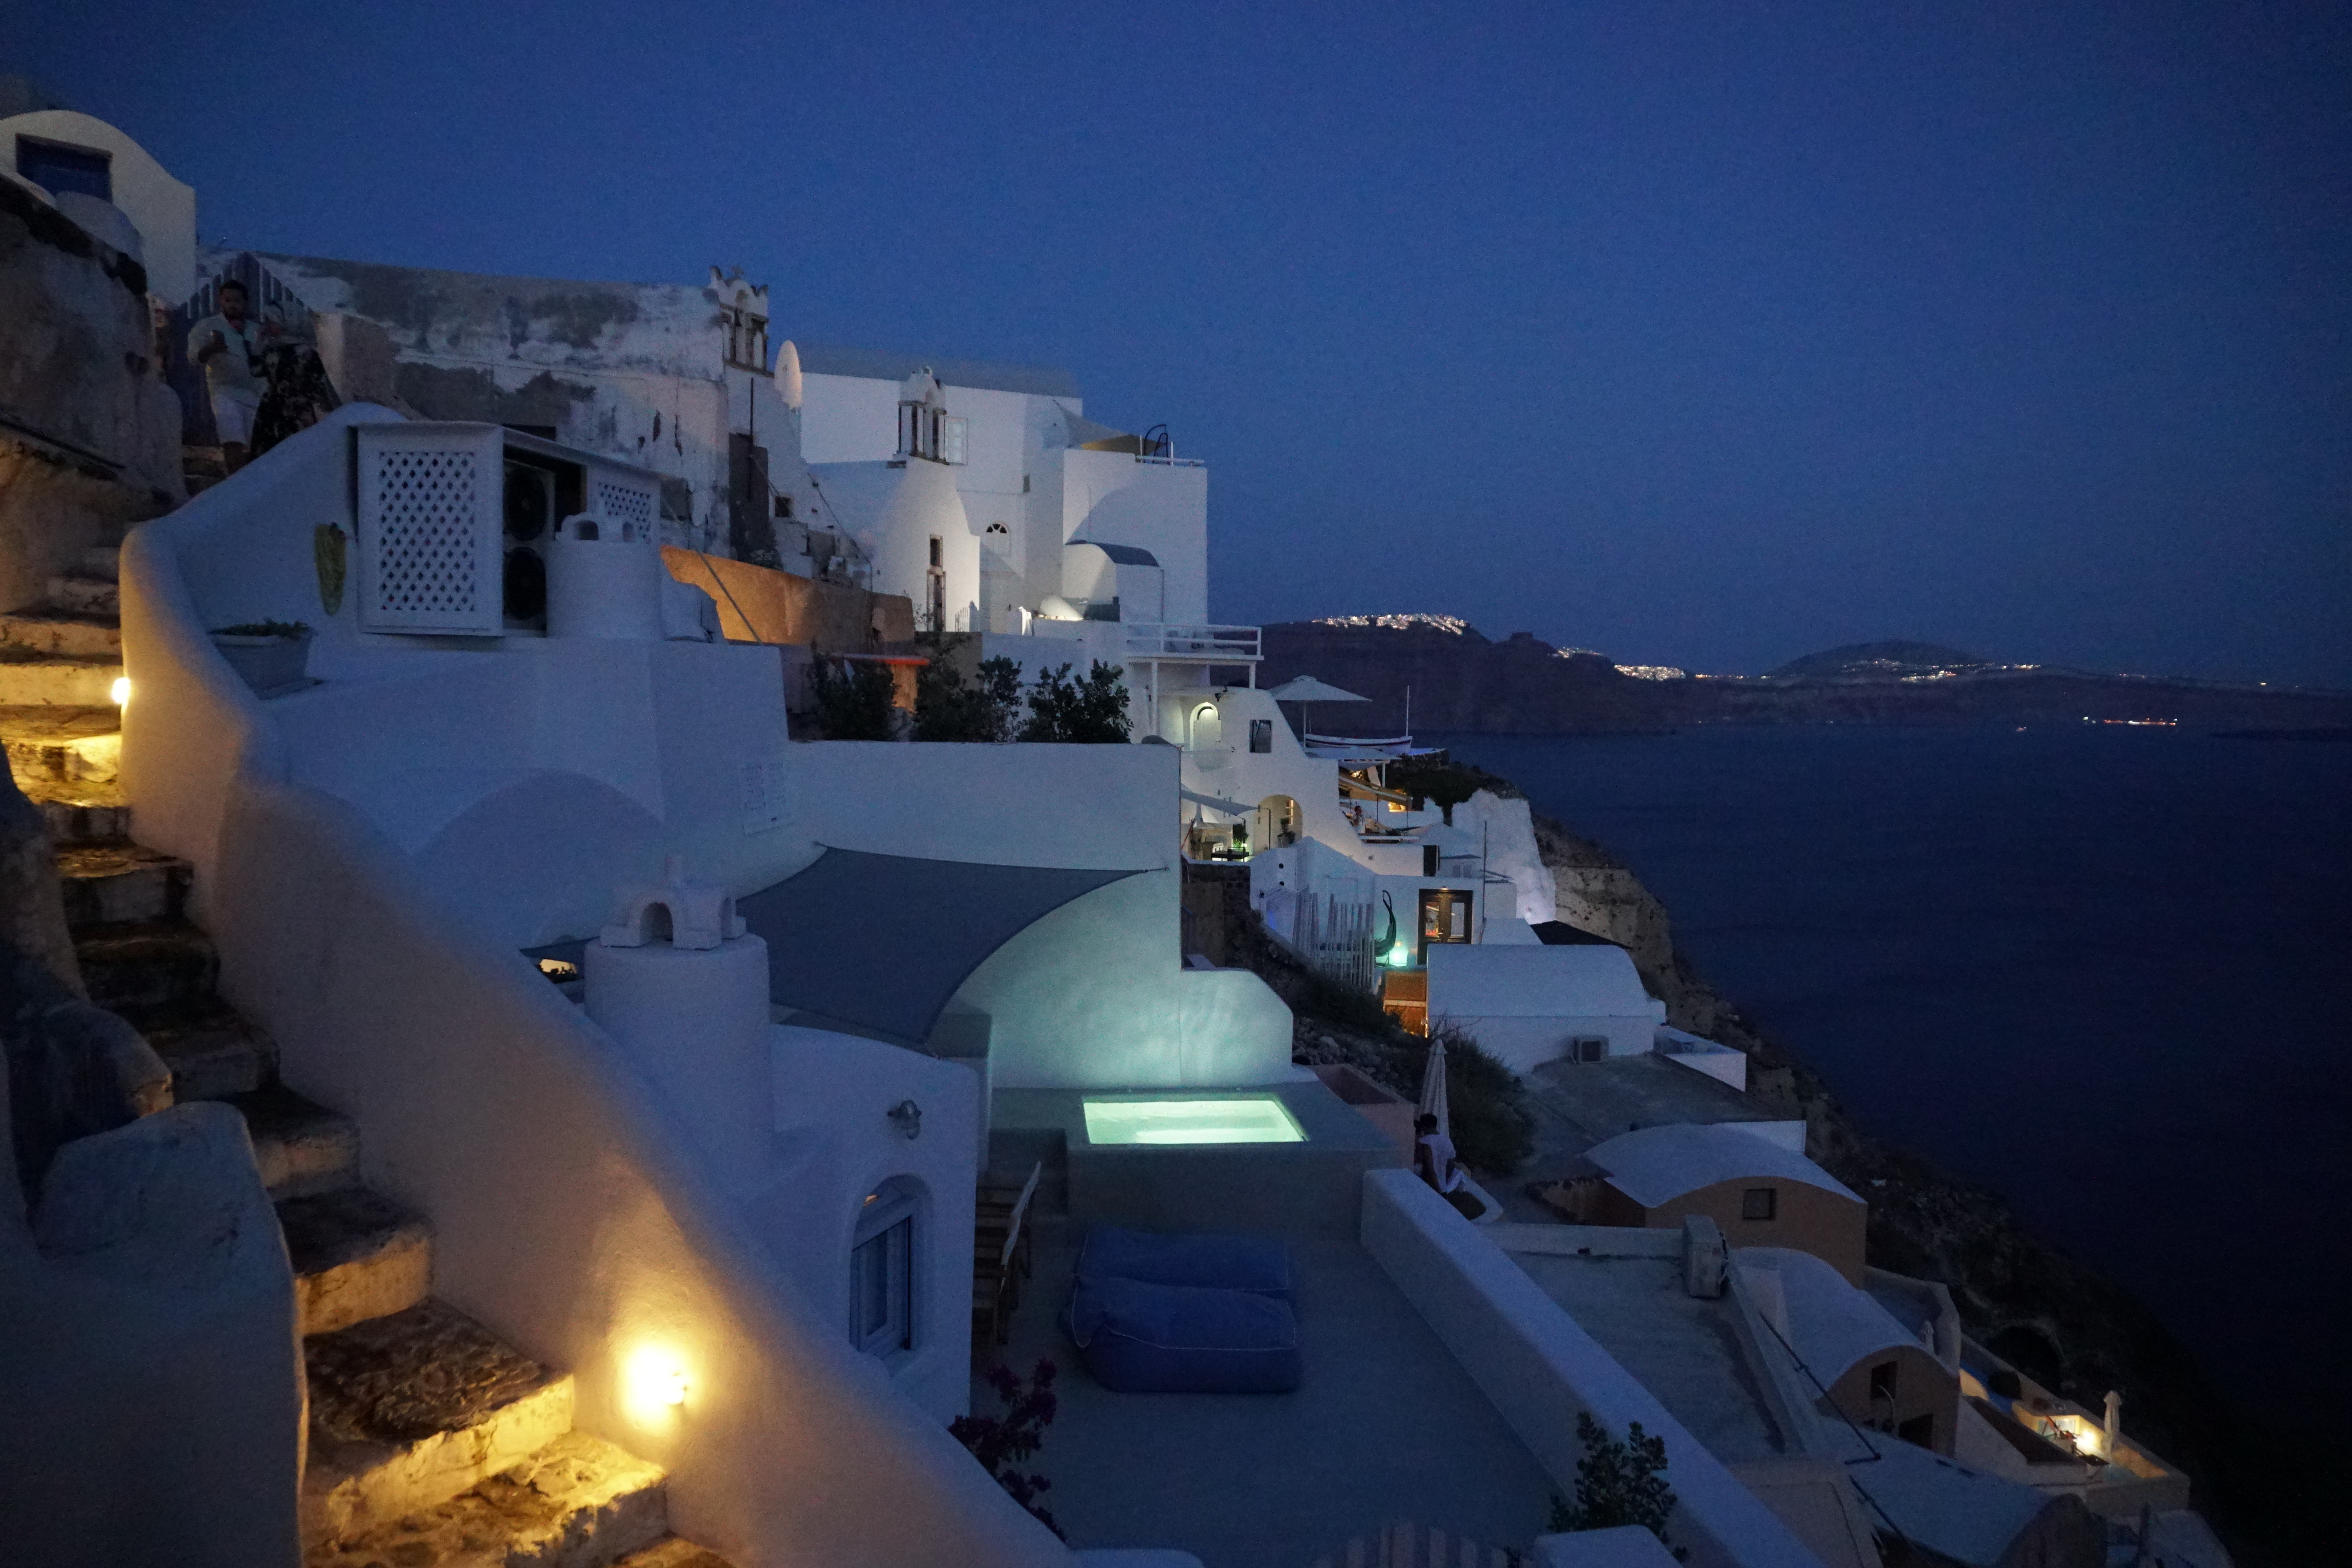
(1433, 1157)
(228, 345)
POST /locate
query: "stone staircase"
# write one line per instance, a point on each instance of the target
(432, 1442)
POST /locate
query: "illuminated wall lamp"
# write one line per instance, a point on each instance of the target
(119, 692)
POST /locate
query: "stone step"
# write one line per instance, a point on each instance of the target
(302, 1148)
(75, 746)
(82, 813)
(120, 883)
(80, 595)
(103, 562)
(674, 1551)
(212, 1053)
(69, 636)
(409, 1410)
(579, 1502)
(357, 1255)
(48, 680)
(148, 972)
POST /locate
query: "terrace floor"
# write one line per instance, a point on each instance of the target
(1387, 1428)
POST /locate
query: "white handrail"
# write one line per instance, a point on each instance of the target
(1212, 644)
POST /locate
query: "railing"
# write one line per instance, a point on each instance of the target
(1205, 645)
(1175, 462)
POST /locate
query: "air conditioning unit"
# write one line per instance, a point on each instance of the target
(454, 522)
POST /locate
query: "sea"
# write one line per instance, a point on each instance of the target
(2105, 970)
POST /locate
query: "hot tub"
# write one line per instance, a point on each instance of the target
(1234, 1119)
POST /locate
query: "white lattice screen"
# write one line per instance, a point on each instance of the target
(428, 530)
(625, 498)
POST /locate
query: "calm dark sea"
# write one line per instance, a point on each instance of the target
(2104, 971)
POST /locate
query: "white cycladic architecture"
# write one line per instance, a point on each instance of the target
(1527, 1005)
(674, 378)
(1541, 1370)
(1501, 833)
(373, 852)
(97, 175)
(1035, 477)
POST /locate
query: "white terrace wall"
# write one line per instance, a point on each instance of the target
(160, 207)
(1541, 1370)
(1095, 994)
(151, 1383)
(568, 1216)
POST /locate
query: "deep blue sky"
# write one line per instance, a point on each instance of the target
(1711, 334)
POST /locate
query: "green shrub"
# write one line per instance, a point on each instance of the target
(1618, 1484)
(948, 707)
(1444, 782)
(1090, 709)
(852, 699)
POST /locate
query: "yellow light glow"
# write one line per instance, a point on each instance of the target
(121, 690)
(653, 1384)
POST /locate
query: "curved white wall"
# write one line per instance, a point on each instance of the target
(160, 207)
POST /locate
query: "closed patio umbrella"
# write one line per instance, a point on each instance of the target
(1433, 1088)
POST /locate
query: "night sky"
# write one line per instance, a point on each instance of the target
(1701, 334)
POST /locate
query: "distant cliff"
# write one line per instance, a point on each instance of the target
(1448, 676)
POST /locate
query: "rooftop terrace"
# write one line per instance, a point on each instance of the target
(1386, 1428)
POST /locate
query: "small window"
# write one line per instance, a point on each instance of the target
(1589, 1048)
(1261, 736)
(882, 1276)
(954, 442)
(784, 506)
(1760, 1203)
(937, 559)
(1882, 1382)
(1428, 860)
(57, 168)
(1919, 1430)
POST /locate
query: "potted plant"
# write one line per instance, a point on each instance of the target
(268, 653)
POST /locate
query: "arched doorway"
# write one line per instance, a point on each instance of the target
(1274, 824)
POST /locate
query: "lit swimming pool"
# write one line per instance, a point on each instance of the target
(1242, 1119)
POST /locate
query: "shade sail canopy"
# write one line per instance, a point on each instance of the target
(884, 941)
(1307, 689)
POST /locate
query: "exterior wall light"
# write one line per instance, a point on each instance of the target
(908, 1117)
(653, 1384)
(119, 692)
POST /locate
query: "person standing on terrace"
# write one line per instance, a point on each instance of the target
(228, 345)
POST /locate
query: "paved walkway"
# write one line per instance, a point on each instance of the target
(1386, 1428)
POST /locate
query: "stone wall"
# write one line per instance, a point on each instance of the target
(89, 439)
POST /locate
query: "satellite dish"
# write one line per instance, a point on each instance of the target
(788, 375)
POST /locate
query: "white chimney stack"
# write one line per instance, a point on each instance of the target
(679, 983)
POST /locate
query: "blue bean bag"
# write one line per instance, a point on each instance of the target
(1231, 1263)
(1142, 1338)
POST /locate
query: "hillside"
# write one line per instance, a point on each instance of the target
(1448, 675)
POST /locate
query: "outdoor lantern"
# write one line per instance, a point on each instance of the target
(908, 1118)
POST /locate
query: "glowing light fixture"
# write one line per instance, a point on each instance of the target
(653, 1383)
(121, 690)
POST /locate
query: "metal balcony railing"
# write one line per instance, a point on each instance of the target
(1203, 644)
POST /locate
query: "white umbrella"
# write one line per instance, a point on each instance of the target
(1305, 689)
(1432, 1089)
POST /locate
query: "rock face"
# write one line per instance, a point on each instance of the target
(93, 436)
